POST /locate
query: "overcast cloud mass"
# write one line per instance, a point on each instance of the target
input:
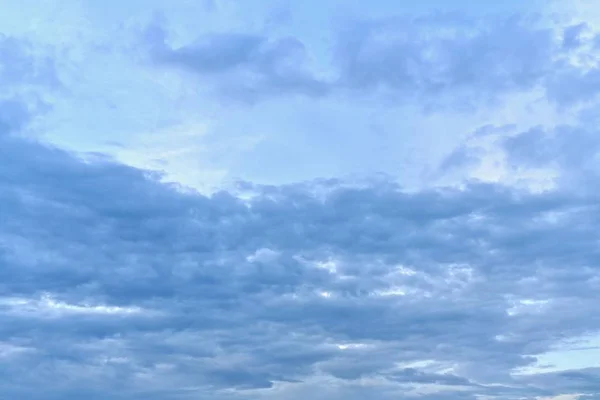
(270, 200)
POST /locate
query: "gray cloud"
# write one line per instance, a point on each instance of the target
(438, 61)
(572, 35)
(442, 57)
(572, 151)
(26, 73)
(14, 115)
(573, 85)
(445, 60)
(22, 65)
(248, 66)
(127, 285)
(114, 285)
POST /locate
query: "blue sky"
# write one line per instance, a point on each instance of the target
(280, 200)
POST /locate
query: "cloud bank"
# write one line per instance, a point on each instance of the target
(118, 284)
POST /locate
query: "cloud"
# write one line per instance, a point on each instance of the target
(233, 294)
(14, 115)
(442, 57)
(570, 147)
(564, 154)
(582, 382)
(248, 66)
(574, 85)
(27, 73)
(114, 284)
(437, 60)
(449, 60)
(22, 65)
(572, 35)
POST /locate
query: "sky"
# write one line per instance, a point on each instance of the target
(279, 200)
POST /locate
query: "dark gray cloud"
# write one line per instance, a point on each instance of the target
(114, 284)
(248, 66)
(437, 60)
(443, 57)
(448, 60)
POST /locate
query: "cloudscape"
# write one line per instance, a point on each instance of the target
(334, 199)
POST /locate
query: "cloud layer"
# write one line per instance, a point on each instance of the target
(116, 283)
